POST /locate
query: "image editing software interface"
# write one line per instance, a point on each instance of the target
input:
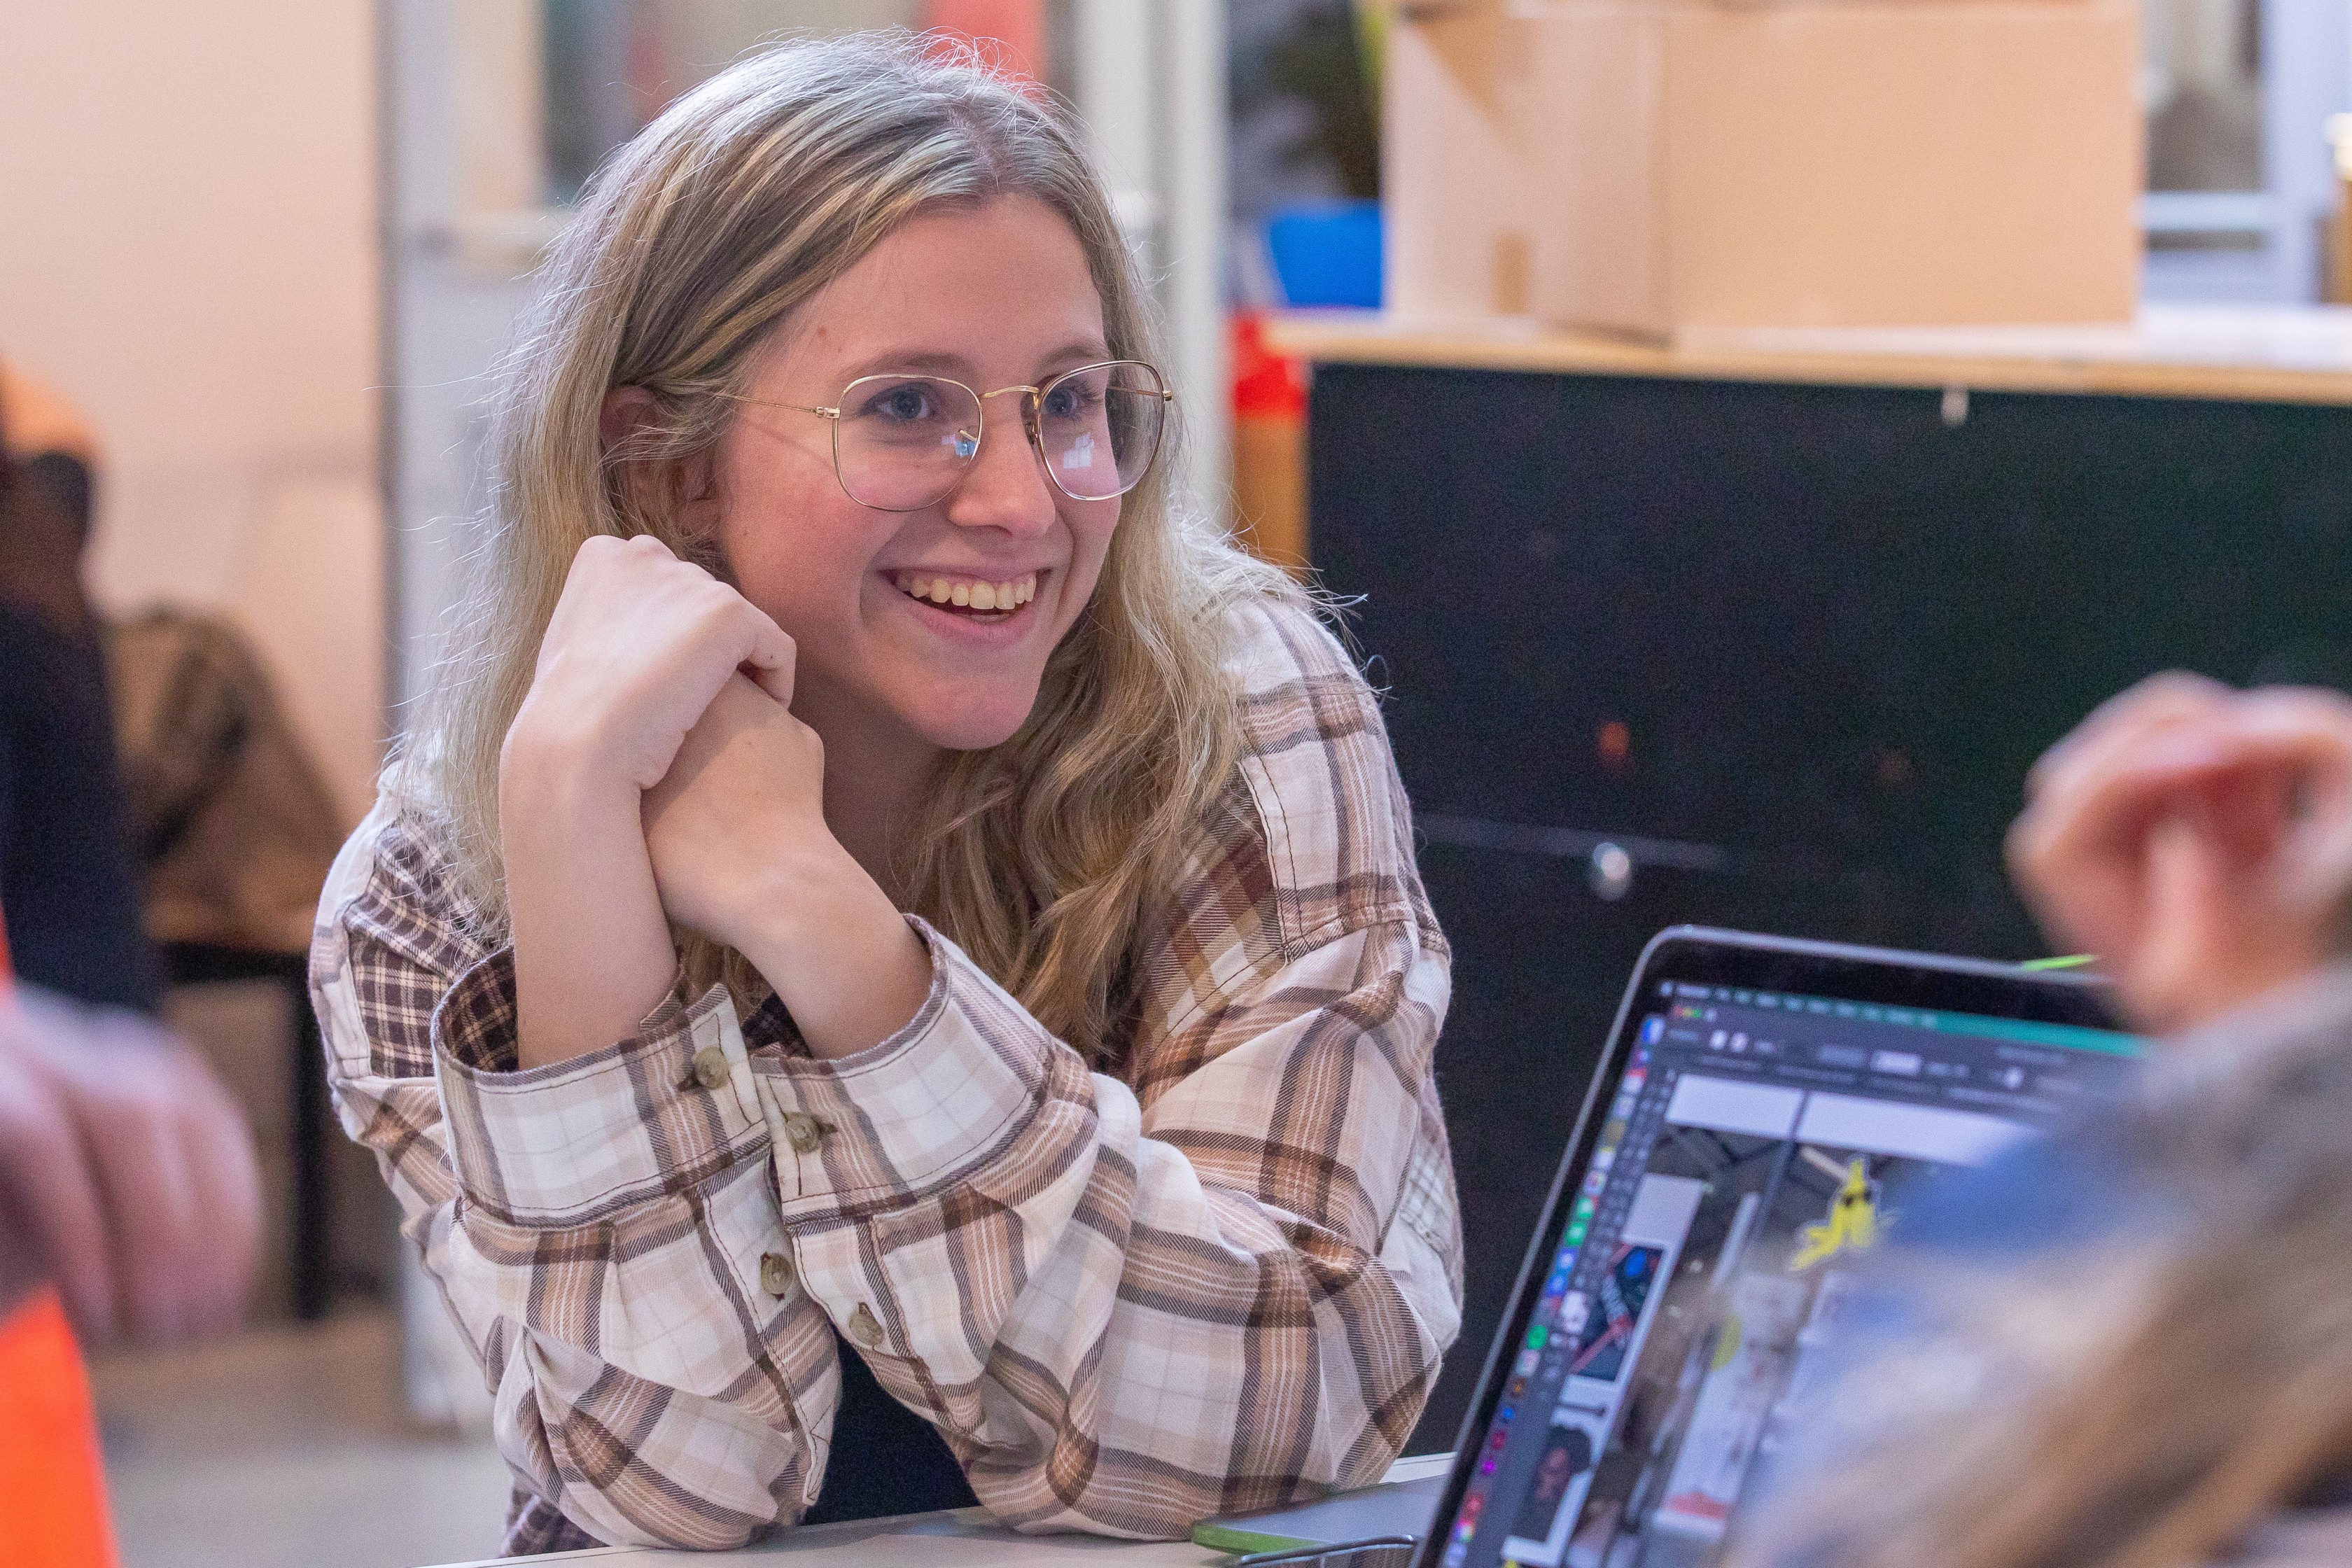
(1744, 1163)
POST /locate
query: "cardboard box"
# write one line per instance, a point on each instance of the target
(1459, 120)
(1671, 165)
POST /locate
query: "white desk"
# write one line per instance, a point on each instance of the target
(956, 1538)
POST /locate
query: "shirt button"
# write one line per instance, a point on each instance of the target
(711, 1067)
(803, 1131)
(862, 1327)
(775, 1273)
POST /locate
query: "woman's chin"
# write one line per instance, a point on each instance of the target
(974, 723)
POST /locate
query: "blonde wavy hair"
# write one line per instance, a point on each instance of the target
(1043, 856)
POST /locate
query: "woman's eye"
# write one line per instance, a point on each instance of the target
(909, 403)
(1068, 402)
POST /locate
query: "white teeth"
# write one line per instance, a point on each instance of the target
(993, 597)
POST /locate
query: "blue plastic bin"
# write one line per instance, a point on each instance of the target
(1329, 253)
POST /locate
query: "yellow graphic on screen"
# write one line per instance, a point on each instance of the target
(1851, 1224)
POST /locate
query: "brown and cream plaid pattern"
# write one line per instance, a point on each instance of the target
(1218, 1280)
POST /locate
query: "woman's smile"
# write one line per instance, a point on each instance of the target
(968, 596)
(957, 615)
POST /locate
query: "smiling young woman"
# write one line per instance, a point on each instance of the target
(890, 966)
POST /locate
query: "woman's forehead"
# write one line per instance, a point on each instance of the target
(1000, 289)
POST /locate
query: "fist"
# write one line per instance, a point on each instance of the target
(639, 645)
(742, 807)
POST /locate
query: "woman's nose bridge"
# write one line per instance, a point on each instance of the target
(1025, 439)
(1028, 407)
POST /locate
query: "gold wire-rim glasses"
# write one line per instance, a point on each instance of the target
(1033, 400)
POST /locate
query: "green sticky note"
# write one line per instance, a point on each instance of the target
(1240, 1542)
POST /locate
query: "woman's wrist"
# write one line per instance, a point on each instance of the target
(550, 763)
(591, 948)
(841, 956)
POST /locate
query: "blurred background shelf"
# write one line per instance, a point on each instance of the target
(2260, 354)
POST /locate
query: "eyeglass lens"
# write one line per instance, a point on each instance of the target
(904, 441)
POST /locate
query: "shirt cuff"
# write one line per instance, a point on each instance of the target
(906, 1119)
(576, 1141)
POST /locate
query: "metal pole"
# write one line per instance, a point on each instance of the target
(1150, 86)
(1194, 133)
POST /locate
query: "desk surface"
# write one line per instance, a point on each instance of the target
(2241, 353)
(956, 1538)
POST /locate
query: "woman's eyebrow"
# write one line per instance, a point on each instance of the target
(891, 360)
(1075, 352)
(1080, 351)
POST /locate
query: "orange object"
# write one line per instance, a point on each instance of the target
(36, 419)
(1269, 447)
(52, 1479)
(52, 1475)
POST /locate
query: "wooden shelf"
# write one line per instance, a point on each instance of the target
(2235, 354)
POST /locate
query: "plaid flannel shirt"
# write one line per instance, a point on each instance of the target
(1217, 1277)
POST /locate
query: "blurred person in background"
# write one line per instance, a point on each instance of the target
(130, 1199)
(892, 969)
(131, 1169)
(2132, 1347)
(68, 876)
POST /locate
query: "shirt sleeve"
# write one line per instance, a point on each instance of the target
(599, 1230)
(1125, 1319)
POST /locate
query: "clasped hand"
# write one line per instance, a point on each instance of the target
(660, 683)
(656, 774)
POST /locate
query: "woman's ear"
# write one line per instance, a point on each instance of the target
(629, 411)
(683, 490)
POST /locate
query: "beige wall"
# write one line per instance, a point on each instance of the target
(187, 249)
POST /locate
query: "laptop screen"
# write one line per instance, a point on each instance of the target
(1743, 1160)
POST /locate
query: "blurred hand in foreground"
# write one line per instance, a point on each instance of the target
(128, 1166)
(2197, 838)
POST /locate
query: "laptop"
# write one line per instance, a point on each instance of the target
(1758, 1098)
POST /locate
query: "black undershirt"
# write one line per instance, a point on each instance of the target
(885, 1459)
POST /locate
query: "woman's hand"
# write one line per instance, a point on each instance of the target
(638, 646)
(741, 853)
(2198, 840)
(743, 795)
